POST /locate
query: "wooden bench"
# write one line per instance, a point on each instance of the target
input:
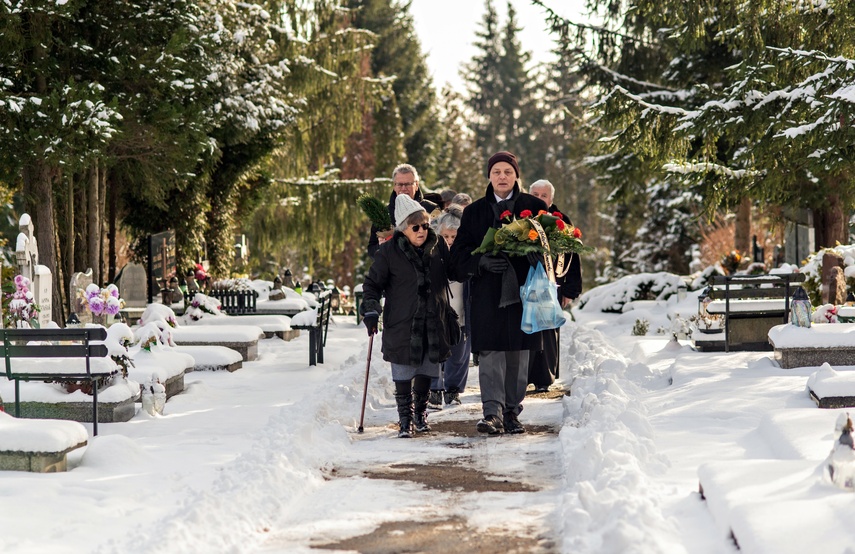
(318, 329)
(751, 305)
(55, 343)
(232, 302)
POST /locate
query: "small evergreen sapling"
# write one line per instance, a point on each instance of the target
(376, 211)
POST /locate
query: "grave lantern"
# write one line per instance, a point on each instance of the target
(277, 283)
(73, 321)
(703, 301)
(335, 299)
(850, 299)
(800, 308)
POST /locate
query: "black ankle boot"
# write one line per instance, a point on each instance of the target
(405, 415)
(420, 402)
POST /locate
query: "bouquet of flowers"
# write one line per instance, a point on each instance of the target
(519, 237)
(100, 301)
(23, 310)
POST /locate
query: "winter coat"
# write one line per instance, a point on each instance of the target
(414, 282)
(493, 328)
(569, 286)
(373, 241)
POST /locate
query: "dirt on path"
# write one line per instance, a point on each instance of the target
(466, 471)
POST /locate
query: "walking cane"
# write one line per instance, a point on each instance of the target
(365, 390)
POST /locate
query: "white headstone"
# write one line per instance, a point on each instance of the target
(27, 257)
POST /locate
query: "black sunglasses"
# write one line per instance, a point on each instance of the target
(424, 226)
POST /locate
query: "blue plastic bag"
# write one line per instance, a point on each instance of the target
(541, 309)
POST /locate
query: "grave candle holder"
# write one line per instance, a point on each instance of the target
(800, 308)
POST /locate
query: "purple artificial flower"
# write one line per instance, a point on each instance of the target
(19, 280)
(96, 305)
(113, 290)
(112, 309)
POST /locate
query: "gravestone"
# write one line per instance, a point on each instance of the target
(832, 293)
(79, 281)
(27, 258)
(132, 286)
(161, 261)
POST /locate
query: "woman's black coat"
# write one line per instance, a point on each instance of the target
(394, 275)
(493, 328)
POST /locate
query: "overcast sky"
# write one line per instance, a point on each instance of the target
(447, 28)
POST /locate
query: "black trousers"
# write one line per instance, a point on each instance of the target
(543, 364)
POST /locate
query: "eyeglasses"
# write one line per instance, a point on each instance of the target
(405, 185)
(424, 227)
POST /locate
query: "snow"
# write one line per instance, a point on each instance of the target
(39, 435)
(243, 461)
(267, 323)
(307, 318)
(210, 356)
(821, 335)
(217, 333)
(827, 382)
(718, 306)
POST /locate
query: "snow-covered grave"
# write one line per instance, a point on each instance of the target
(293, 303)
(204, 310)
(832, 389)
(38, 445)
(155, 361)
(792, 503)
(242, 338)
(832, 343)
(212, 358)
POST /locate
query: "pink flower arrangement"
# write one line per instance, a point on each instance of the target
(22, 307)
(104, 301)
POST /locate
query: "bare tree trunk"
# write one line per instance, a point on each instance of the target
(102, 214)
(93, 217)
(69, 228)
(742, 232)
(111, 248)
(60, 301)
(830, 224)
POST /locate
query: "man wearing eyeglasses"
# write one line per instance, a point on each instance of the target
(406, 181)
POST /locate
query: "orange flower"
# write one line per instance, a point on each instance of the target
(577, 233)
(541, 212)
(532, 235)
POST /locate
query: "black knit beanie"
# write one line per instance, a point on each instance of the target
(503, 157)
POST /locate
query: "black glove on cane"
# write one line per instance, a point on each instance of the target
(493, 264)
(371, 319)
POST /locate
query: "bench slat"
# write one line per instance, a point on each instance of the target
(774, 292)
(90, 333)
(759, 279)
(55, 350)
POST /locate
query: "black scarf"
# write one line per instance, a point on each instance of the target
(425, 325)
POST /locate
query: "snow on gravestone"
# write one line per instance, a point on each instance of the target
(27, 258)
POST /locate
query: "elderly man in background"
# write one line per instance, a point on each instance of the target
(406, 181)
(543, 364)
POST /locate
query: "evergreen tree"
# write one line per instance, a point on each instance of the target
(407, 113)
(485, 87)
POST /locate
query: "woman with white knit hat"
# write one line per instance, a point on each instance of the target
(409, 270)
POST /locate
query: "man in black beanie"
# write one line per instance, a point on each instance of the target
(496, 309)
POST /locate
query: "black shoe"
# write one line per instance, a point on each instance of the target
(491, 425)
(405, 428)
(435, 400)
(513, 425)
(420, 423)
(452, 397)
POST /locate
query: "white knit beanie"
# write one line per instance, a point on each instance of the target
(404, 207)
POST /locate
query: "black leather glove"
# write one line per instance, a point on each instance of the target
(493, 264)
(371, 319)
(534, 258)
